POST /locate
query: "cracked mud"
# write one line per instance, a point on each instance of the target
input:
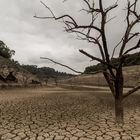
(59, 114)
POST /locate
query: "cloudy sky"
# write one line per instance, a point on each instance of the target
(33, 38)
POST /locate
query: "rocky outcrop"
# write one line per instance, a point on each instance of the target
(11, 73)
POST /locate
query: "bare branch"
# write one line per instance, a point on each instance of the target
(88, 38)
(70, 20)
(125, 41)
(93, 40)
(47, 8)
(130, 25)
(116, 47)
(133, 11)
(87, 4)
(86, 27)
(61, 64)
(111, 7)
(101, 5)
(111, 19)
(131, 91)
(128, 14)
(99, 71)
(57, 18)
(91, 7)
(110, 83)
(134, 35)
(97, 59)
(54, 17)
(133, 48)
(103, 36)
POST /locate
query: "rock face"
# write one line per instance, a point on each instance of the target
(11, 73)
(11, 78)
(25, 77)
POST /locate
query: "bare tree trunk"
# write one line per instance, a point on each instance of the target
(119, 96)
(119, 110)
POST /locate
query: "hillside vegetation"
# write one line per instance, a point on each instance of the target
(45, 72)
(131, 60)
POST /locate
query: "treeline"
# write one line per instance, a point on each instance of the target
(45, 72)
(5, 51)
(131, 60)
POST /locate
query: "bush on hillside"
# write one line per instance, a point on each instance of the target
(5, 51)
(131, 60)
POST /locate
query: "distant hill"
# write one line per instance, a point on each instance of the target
(131, 60)
(131, 78)
(46, 72)
(25, 74)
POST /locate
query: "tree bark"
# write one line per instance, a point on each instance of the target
(119, 110)
(119, 96)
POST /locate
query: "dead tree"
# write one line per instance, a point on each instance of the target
(96, 34)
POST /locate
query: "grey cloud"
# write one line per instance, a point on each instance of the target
(32, 38)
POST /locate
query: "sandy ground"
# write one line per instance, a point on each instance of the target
(64, 114)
